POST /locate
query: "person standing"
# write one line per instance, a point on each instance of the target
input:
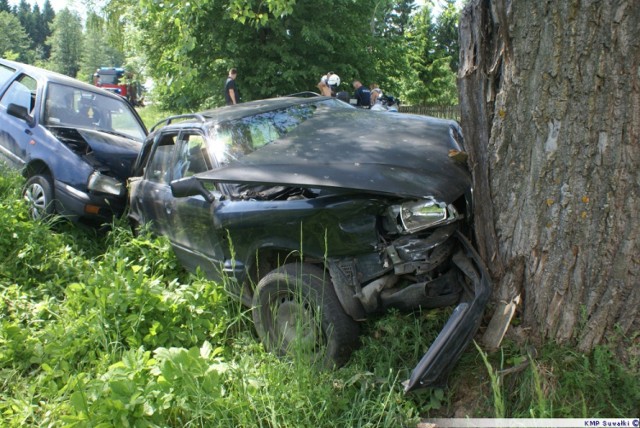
(325, 90)
(362, 94)
(376, 94)
(333, 80)
(230, 90)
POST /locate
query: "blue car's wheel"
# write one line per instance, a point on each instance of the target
(38, 193)
(296, 312)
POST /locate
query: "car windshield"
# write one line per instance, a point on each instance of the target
(238, 138)
(79, 108)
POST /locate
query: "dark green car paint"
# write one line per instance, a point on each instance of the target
(324, 185)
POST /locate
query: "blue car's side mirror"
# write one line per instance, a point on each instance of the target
(20, 112)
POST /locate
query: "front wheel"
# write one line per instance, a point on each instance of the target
(38, 193)
(296, 311)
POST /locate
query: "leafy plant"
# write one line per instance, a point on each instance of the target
(106, 329)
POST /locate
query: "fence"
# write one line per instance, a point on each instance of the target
(444, 112)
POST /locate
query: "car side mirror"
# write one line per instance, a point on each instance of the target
(190, 186)
(20, 112)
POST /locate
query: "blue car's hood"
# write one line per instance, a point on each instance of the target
(101, 149)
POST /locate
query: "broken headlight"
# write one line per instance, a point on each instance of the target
(413, 216)
(103, 183)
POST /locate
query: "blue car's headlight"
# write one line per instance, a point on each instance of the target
(103, 183)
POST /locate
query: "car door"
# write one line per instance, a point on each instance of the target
(153, 200)
(17, 134)
(196, 240)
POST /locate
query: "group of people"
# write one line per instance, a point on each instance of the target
(369, 98)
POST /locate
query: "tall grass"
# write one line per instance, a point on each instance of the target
(106, 329)
(561, 383)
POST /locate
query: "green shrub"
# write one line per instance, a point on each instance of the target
(103, 329)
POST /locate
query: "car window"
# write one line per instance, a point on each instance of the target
(159, 166)
(22, 92)
(236, 139)
(192, 157)
(5, 74)
(75, 107)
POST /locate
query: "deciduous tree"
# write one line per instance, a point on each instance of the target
(190, 49)
(550, 95)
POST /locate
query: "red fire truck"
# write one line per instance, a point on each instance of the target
(117, 80)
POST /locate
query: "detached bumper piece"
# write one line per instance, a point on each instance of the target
(459, 330)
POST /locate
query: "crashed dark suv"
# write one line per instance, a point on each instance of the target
(74, 143)
(320, 215)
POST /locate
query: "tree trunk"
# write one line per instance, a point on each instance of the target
(550, 100)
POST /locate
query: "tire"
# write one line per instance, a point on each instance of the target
(38, 193)
(296, 311)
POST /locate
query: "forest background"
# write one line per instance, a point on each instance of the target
(186, 48)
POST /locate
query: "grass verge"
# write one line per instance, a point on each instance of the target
(106, 329)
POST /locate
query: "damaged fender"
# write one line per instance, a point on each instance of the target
(459, 330)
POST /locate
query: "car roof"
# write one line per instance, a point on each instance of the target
(43, 75)
(226, 113)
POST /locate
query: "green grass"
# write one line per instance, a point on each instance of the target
(106, 329)
(152, 114)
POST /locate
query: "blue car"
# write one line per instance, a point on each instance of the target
(75, 144)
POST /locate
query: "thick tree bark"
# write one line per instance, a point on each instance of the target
(550, 96)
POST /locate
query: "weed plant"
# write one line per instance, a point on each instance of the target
(102, 329)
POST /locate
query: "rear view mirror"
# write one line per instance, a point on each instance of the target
(190, 186)
(20, 112)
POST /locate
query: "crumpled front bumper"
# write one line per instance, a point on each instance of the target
(463, 323)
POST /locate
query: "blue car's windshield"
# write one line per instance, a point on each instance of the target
(79, 108)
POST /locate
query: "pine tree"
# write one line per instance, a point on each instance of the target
(48, 15)
(4, 6)
(66, 43)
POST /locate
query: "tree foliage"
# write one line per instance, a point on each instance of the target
(4, 6)
(36, 24)
(66, 43)
(432, 67)
(446, 34)
(192, 48)
(14, 43)
(96, 52)
(278, 46)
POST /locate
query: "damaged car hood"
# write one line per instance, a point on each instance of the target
(105, 149)
(396, 154)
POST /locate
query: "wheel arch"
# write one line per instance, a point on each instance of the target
(36, 166)
(266, 259)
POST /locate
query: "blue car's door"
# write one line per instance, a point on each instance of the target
(16, 134)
